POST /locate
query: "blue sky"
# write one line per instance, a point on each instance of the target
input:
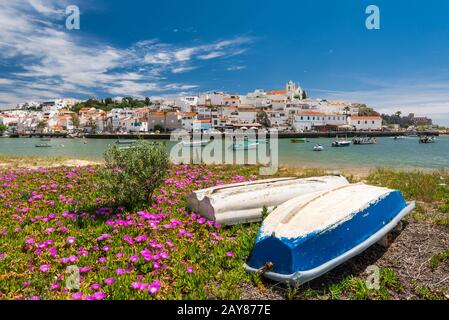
(159, 48)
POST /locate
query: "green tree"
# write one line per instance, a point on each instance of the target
(41, 126)
(262, 118)
(131, 175)
(3, 128)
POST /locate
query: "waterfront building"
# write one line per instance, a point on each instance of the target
(202, 125)
(320, 121)
(366, 123)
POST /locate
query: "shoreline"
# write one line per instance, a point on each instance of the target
(280, 135)
(35, 162)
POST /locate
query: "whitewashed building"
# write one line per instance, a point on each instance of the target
(308, 120)
(366, 123)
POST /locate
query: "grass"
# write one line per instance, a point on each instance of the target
(439, 258)
(215, 275)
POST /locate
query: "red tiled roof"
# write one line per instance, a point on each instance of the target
(366, 118)
(276, 92)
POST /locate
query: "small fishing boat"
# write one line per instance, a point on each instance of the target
(243, 202)
(43, 145)
(245, 145)
(365, 140)
(341, 143)
(309, 235)
(125, 142)
(427, 139)
(399, 137)
(298, 140)
(318, 147)
(194, 143)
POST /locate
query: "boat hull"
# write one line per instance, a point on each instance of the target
(244, 202)
(300, 259)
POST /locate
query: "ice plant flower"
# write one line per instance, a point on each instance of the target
(154, 287)
(109, 280)
(189, 269)
(77, 296)
(44, 268)
(95, 286)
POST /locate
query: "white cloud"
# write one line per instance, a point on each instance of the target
(423, 98)
(51, 60)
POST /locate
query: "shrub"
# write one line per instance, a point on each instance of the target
(131, 175)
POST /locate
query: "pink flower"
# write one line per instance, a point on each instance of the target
(109, 281)
(154, 287)
(106, 248)
(99, 295)
(201, 220)
(77, 296)
(95, 286)
(71, 240)
(55, 286)
(229, 254)
(189, 269)
(134, 258)
(29, 240)
(44, 268)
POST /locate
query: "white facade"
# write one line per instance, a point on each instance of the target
(366, 123)
(305, 121)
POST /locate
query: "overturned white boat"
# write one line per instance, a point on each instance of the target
(244, 202)
(312, 234)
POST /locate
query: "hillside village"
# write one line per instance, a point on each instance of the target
(288, 109)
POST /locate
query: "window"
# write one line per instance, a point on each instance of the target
(358, 122)
(373, 122)
(366, 122)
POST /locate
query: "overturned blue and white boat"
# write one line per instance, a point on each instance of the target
(309, 235)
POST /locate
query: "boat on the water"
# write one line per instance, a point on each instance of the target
(318, 147)
(194, 143)
(341, 143)
(245, 145)
(427, 139)
(364, 140)
(244, 202)
(125, 142)
(43, 145)
(309, 235)
(399, 137)
(298, 140)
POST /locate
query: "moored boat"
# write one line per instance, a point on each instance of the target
(309, 235)
(318, 147)
(124, 142)
(43, 145)
(298, 140)
(244, 202)
(364, 140)
(245, 145)
(194, 143)
(341, 143)
(427, 139)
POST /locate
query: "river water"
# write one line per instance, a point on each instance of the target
(405, 153)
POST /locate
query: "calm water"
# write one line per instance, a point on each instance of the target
(388, 153)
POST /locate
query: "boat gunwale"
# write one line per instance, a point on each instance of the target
(301, 277)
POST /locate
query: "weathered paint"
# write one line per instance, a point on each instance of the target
(309, 248)
(243, 202)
